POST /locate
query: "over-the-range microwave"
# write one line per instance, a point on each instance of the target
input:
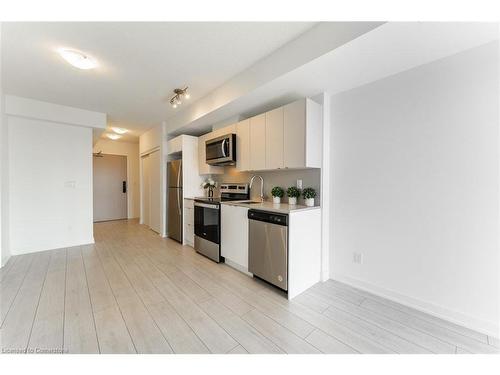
(221, 150)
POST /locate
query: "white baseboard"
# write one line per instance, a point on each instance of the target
(5, 261)
(486, 327)
(89, 241)
(237, 267)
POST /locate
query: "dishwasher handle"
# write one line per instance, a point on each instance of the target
(268, 217)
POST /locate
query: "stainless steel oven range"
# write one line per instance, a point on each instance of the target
(207, 219)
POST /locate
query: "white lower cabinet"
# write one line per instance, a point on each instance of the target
(189, 222)
(234, 236)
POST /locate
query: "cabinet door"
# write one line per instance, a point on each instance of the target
(274, 139)
(294, 140)
(258, 142)
(234, 234)
(188, 222)
(174, 145)
(243, 145)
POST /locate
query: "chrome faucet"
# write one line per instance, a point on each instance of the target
(261, 186)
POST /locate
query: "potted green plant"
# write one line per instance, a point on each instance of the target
(293, 193)
(277, 193)
(309, 194)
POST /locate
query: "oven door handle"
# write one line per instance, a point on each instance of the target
(205, 205)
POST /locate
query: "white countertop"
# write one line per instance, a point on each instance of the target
(283, 208)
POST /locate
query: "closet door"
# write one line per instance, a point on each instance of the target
(146, 193)
(155, 191)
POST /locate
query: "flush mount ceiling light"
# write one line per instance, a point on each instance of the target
(119, 130)
(77, 59)
(179, 94)
(114, 137)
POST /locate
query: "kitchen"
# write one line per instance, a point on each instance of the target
(234, 219)
(292, 187)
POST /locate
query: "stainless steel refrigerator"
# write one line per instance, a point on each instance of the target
(174, 183)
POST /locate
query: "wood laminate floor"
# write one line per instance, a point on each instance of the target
(134, 292)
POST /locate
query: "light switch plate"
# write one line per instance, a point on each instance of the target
(299, 184)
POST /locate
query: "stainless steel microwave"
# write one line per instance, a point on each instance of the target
(221, 150)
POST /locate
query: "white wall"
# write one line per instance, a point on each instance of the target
(131, 151)
(49, 175)
(415, 187)
(150, 140)
(4, 222)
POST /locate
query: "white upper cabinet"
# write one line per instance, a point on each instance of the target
(258, 142)
(274, 139)
(302, 140)
(243, 145)
(286, 137)
(203, 167)
(175, 145)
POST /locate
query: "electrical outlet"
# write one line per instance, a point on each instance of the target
(299, 184)
(357, 258)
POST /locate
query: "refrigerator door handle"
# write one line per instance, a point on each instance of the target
(179, 201)
(179, 176)
(179, 208)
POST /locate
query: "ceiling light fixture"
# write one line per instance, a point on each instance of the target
(119, 130)
(114, 137)
(175, 100)
(78, 59)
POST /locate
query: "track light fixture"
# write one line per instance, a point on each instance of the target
(179, 94)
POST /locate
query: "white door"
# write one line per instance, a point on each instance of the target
(109, 183)
(146, 193)
(155, 191)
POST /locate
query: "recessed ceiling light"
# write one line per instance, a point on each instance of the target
(114, 137)
(78, 59)
(119, 130)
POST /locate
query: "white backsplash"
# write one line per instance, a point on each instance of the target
(283, 178)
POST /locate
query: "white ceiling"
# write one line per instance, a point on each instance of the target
(384, 51)
(139, 63)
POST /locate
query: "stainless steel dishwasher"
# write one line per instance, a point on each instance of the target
(268, 247)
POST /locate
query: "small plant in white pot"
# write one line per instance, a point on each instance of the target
(293, 193)
(277, 194)
(209, 185)
(309, 194)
